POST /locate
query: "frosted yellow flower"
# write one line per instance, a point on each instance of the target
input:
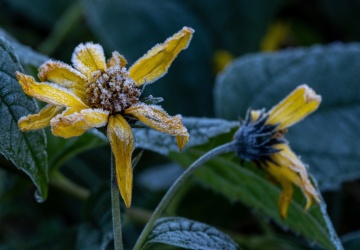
(261, 140)
(95, 93)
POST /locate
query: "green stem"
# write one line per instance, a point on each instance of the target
(176, 186)
(62, 28)
(115, 204)
(62, 183)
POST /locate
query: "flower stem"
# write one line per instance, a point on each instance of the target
(115, 204)
(228, 147)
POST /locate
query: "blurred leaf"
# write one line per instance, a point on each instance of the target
(351, 241)
(60, 149)
(25, 150)
(237, 25)
(200, 130)
(249, 185)
(43, 12)
(96, 232)
(167, 173)
(326, 139)
(134, 27)
(189, 234)
(26, 55)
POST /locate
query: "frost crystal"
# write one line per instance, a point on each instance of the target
(112, 90)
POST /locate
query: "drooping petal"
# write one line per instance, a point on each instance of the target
(49, 93)
(39, 120)
(63, 75)
(74, 121)
(122, 145)
(154, 63)
(287, 158)
(181, 141)
(88, 58)
(156, 118)
(296, 106)
(116, 59)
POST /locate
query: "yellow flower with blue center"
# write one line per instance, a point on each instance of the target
(95, 93)
(261, 139)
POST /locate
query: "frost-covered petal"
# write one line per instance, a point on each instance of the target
(49, 92)
(156, 118)
(116, 59)
(64, 75)
(122, 145)
(181, 141)
(155, 63)
(296, 106)
(88, 58)
(39, 120)
(74, 121)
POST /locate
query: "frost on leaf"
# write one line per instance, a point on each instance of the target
(25, 150)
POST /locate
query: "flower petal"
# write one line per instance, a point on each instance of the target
(296, 106)
(88, 58)
(48, 92)
(154, 63)
(122, 145)
(39, 120)
(63, 75)
(116, 59)
(156, 118)
(292, 169)
(74, 121)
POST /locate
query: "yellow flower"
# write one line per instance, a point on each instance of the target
(261, 140)
(95, 93)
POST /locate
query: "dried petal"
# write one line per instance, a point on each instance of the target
(39, 120)
(296, 106)
(88, 59)
(48, 92)
(122, 145)
(154, 63)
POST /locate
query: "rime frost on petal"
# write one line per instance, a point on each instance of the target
(200, 130)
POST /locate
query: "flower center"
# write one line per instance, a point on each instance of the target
(112, 90)
(255, 140)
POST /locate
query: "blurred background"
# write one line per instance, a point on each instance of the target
(224, 31)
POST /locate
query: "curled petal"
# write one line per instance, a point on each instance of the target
(39, 120)
(122, 145)
(116, 59)
(154, 64)
(89, 58)
(296, 106)
(181, 141)
(156, 118)
(63, 75)
(74, 121)
(48, 92)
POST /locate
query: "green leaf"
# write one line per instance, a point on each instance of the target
(250, 186)
(326, 140)
(25, 150)
(200, 130)
(60, 150)
(134, 27)
(189, 234)
(26, 55)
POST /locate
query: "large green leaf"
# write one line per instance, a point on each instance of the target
(250, 186)
(25, 150)
(326, 140)
(134, 27)
(189, 234)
